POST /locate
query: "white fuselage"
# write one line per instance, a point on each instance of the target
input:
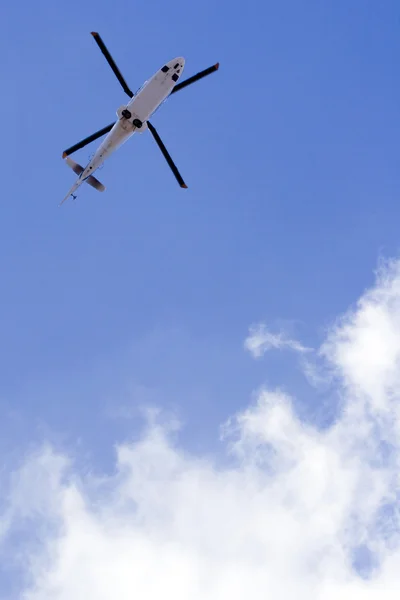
(143, 104)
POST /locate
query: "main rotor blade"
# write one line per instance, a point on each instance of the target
(87, 140)
(166, 155)
(194, 78)
(112, 64)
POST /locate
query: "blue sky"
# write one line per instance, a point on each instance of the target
(144, 294)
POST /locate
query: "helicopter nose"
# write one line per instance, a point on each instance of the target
(177, 67)
(179, 63)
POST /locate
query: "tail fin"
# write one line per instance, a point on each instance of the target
(78, 169)
(95, 183)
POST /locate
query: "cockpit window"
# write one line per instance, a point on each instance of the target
(175, 77)
(165, 69)
(176, 66)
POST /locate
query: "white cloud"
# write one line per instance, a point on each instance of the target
(260, 340)
(286, 519)
(364, 347)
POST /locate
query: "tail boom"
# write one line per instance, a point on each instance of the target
(71, 192)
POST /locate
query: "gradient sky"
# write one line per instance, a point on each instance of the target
(144, 294)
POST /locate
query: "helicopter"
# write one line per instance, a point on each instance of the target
(133, 117)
